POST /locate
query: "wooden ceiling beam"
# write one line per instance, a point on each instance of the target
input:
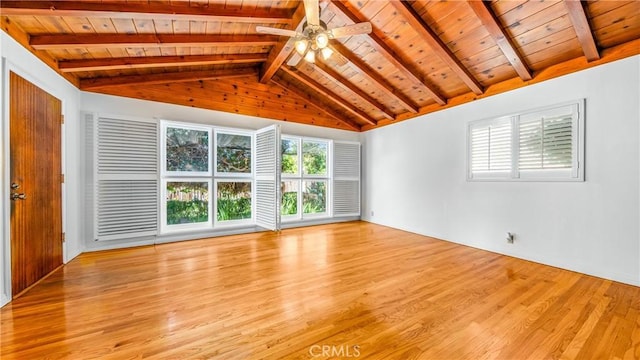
(618, 52)
(315, 86)
(580, 23)
(156, 61)
(439, 48)
(502, 39)
(282, 50)
(366, 71)
(328, 72)
(161, 78)
(66, 41)
(22, 38)
(151, 11)
(313, 102)
(383, 49)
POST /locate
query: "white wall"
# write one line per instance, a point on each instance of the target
(17, 59)
(415, 179)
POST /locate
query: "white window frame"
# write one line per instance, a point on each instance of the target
(166, 228)
(163, 149)
(228, 131)
(576, 173)
(228, 223)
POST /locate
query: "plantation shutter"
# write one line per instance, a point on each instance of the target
(346, 179)
(490, 147)
(546, 139)
(127, 178)
(267, 177)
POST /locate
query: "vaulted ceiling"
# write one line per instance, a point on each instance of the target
(422, 56)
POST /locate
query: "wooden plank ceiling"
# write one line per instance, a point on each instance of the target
(422, 56)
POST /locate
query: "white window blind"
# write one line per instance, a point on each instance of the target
(546, 140)
(491, 146)
(127, 178)
(267, 177)
(544, 144)
(346, 179)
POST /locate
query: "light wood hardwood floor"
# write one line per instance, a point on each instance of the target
(353, 289)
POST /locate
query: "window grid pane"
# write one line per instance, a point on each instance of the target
(233, 153)
(546, 143)
(233, 200)
(187, 150)
(491, 147)
(314, 197)
(314, 157)
(289, 203)
(187, 202)
(289, 156)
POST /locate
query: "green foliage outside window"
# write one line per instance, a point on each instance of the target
(234, 201)
(187, 150)
(289, 204)
(289, 156)
(314, 197)
(187, 202)
(314, 158)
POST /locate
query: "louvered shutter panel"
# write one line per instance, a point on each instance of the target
(346, 179)
(546, 140)
(267, 177)
(127, 178)
(491, 147)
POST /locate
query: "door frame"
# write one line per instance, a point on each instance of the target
(5, 172)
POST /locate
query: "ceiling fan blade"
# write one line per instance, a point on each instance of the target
(295, 59)
(276, 31)
(355, 29)
(312, 10)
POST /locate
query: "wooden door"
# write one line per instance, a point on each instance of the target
(36, 189)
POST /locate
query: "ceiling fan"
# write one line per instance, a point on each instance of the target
(315, 36)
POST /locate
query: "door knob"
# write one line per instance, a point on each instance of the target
(16, 196)
(14, 186)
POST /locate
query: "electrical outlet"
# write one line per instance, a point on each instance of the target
(371, 213)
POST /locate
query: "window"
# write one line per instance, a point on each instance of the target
(233, 202)
(491, 147)
(545, 144)
(197, 165)
(314, 157)
(305, 177)
(314, 197)
(187, 202)
(186, 177)
(290, 201)
(290, 156)
(233, 174)
(187, 151)
(195, 177)
(233, 153)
